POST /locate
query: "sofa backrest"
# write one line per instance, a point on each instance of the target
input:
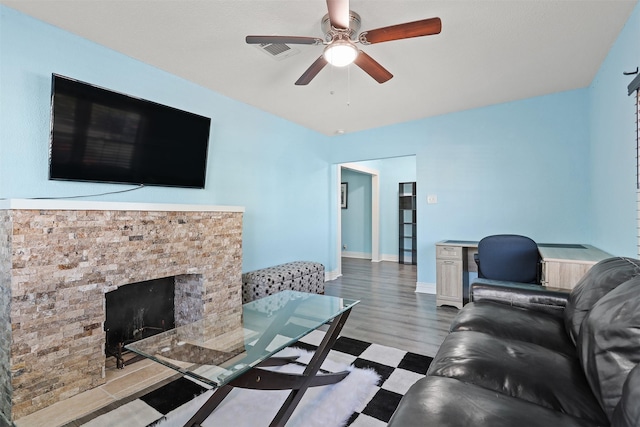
(627, 413)
(609, 343)
(599, 281)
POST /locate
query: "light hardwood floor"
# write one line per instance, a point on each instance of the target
(390, 312)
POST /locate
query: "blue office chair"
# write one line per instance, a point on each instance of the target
(508, 257)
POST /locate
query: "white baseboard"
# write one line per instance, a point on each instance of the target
(365, 255)
(426, 288)
(359, 255)
(331, 275)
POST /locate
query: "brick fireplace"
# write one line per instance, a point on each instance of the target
(59, 258)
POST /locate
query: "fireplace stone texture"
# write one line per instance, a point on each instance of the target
(56, 266)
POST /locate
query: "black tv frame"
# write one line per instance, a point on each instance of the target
(86, 144)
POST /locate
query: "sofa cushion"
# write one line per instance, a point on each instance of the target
(446, 402)
(599, 280)
(515, 323)
(609, 342)
(518, 369)
(627, 413)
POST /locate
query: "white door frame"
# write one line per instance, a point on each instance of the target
(375, 211)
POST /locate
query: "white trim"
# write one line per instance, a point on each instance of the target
(331, 275)
(638, 164)
(74, 205)
(366, 255)
(359, 255)
(426, 288)
(338, 261)
(375, 218)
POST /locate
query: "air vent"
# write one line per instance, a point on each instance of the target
(275, 49)
(278, 51)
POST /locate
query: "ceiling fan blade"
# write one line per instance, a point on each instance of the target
(425, 27)
(282, 40)
(312, 71)
(338, 13)
(372, 67)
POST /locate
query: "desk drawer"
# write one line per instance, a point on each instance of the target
(448, 252)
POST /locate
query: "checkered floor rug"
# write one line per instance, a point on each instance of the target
(397, 369)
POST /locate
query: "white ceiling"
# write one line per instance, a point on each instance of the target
(489, 51)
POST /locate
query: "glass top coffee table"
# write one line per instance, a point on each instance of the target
(233, 355)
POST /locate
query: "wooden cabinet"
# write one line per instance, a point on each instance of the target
(407, 229)
(562, 274)
(449, 277)
(451, 280)
(564, 265)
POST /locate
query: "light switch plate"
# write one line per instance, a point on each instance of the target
(432, 199)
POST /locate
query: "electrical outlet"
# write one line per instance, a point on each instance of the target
(432, 199)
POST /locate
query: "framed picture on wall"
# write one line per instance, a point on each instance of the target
(343, 195)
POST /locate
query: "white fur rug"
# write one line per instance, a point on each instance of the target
(322, 406)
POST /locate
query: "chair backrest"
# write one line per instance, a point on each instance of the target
(508, 257)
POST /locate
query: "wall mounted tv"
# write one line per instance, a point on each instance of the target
(99, 135)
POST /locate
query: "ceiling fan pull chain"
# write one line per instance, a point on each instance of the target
(332, 83)
(332, 79)
(349, 86)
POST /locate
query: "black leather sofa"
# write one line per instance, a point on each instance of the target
(521, 356)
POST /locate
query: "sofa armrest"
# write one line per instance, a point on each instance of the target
(524, 295)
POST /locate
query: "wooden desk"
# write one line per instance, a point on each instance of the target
(562, 266)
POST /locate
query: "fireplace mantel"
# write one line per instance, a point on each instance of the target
(58, 259)
(85, 205)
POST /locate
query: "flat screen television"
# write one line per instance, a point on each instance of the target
(98, 135)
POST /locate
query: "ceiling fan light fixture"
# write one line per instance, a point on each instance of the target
(340, 53)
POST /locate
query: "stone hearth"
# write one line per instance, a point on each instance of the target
(59, 258)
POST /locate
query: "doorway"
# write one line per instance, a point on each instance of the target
(375, 212)
(356, 215)
(385, 174)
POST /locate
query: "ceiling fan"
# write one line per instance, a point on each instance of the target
(340, 26)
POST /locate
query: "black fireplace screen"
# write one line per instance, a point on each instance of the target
(137, 311)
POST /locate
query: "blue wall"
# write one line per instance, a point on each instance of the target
(559, 168)
(520, 167)
(356, 219)
(275, 169)
(612, 131)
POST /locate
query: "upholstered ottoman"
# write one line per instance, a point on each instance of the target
(303, 276)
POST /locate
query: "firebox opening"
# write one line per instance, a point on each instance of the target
(137, 311)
